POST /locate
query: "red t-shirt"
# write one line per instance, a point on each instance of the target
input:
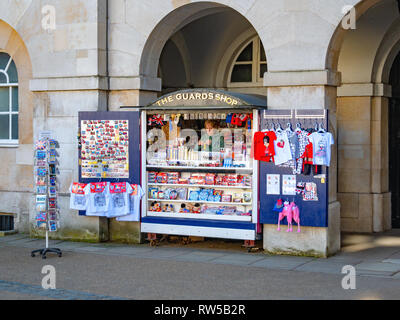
(308, 154)
(263, 146)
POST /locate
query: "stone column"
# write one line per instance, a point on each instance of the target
(133, 91)
(307, 90)
(363, 187)
(130, 92)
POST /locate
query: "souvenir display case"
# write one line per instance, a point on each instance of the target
(195, 174)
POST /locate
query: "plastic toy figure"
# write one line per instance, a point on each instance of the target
(196, 208)
(291, 212)
(286, 213)
(157, 207)
(184, 209)
(296, 216)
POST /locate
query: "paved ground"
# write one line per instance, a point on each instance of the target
(114, 271)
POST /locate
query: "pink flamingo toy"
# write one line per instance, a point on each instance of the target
(286, 212)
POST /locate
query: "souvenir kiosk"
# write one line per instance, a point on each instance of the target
(195, 153)
(199, 183)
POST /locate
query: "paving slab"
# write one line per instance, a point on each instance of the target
(375, 253)
(14, 237)
(237, 259)
(162, 253)
(395, 255)
(377, 267)
(61, 294)
(345, 260)
(90, 249)
(281, 262)
(396, 261)
(369, 273)
(200, 256)
(71, 245)
(333, 267)
(34, 243)
(128, 250)
(23, 241)
(396, 275)
(191, 257)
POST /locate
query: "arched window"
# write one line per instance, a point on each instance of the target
(249, 65)
(8, 100)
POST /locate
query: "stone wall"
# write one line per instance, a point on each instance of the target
(65, 70)
(363, 184)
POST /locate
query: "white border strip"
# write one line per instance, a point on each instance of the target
(239, 234)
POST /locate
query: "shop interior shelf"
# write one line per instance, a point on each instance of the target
(209, 169)
(204, 202)
(198, 216)
(198, 185)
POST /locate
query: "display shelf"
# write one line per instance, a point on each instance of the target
(198, 216)
(210, 169)
(203, 202)
(198, 185)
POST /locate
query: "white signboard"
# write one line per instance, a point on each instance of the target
(273, 184)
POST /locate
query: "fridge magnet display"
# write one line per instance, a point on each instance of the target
(104, 149)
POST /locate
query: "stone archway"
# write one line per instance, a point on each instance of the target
(363, 57)
(200, 37)
(17, 169)
(169, 25)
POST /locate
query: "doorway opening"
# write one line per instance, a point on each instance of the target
(394, 142)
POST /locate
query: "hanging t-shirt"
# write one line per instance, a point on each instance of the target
(303, 142)
(119, 199)
(322, 142)
(295, 150)
(98, 199)
(282, 148)
(78, 200)
(135, 197)
(263, 145)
